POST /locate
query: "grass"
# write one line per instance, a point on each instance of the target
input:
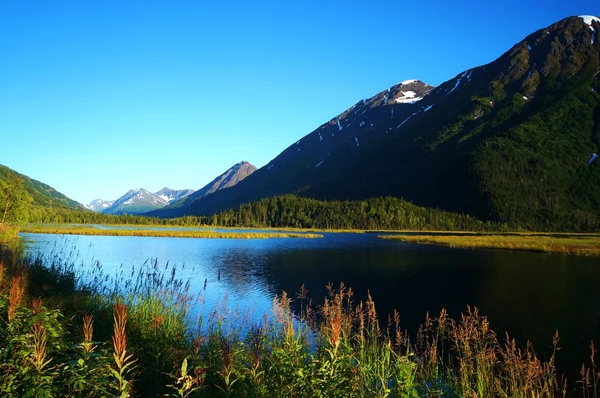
(89, 230)
(212, 227)
(8, 233)
(60, 336)
(575, 244)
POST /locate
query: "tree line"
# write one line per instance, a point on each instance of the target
(293, 212)
(288, 211)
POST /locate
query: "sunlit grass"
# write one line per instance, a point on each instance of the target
(8, 233)
(576, 244)
(90, 230)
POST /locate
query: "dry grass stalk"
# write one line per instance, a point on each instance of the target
(122, 361)
(36, 304)
(39, 346)
(119, 335)
(15, 295)
(157, 322)
(283, 314)
(88, 331)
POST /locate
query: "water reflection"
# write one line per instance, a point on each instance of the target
(530, 295)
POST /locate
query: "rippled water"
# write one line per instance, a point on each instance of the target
(530, 295)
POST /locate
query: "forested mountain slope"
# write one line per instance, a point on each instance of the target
(507, 141)
(42, 194)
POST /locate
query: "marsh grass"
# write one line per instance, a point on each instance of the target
(574, 244)
(133, 337)
(88, 230)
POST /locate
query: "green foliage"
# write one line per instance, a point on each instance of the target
(295, 212)
(377, 213)
(14, 199)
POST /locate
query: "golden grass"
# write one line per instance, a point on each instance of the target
(203, 226)
(8, 233)
(87, 230)
(577, 244)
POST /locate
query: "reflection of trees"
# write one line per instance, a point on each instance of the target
(396, 279)
(529, 295)
(532, 295)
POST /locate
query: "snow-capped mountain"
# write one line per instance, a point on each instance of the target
(171, 195)
(136, 201)
(99, 205)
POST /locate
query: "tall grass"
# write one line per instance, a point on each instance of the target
(86, 335)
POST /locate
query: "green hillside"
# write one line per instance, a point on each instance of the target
(513, 144)
(42, 194)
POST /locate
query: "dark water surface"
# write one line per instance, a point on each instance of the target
(529, 295)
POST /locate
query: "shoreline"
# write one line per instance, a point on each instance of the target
(569, 244)
(93, 231)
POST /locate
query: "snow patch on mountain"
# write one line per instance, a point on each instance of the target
(587, 19)
(458, 82)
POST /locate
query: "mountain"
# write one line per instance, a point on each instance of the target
(507, 141)
(136, 201)
(99, 205)
(42, 194)
(171, 195)
(228, 179)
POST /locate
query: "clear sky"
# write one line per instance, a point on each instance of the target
(99, 97)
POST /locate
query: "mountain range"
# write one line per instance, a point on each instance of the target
(228, 179)
(508, 141)
(140, 201)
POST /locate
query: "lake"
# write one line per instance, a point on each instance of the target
(529, 295)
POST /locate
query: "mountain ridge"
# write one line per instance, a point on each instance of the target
(457, 146)
(231, 177)
(41, 193)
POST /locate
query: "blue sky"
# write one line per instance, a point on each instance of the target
(98, 97)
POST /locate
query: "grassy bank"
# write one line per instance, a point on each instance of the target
(8, 233)
(62, 337)
(576, 244)
(162, 233)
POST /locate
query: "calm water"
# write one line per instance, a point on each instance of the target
(530, 295)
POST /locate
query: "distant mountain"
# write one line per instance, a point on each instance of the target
(42, 194)
(136, 201)
(228, 179)
(99, 205)
(171, 195)
(507, 141)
